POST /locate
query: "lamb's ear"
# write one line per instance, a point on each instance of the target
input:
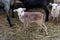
(24, 8)
(14, 10)
(50, 4)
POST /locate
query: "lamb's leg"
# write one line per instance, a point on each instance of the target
(44, 28)
(53, 19)
(7, 9)
(25, 24)
(57, 20)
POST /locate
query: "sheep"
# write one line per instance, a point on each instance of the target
(29, 17)
(5, 5)
(55, 10)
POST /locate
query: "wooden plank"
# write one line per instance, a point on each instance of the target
(56, 1)
(0, 0)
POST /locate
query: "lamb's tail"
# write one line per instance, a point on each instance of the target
(43, 17)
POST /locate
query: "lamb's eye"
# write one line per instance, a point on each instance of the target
(20, 15)
(56, 6)
(21, 11)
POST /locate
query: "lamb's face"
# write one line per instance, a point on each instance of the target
(20, 11)
(54, 5)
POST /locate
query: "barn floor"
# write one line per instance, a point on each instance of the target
(16, 32)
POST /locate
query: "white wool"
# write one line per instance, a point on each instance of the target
(55, 10)
(29, 19)
(20, 11)
(54, 5)
(21, 19)
(54, 13)
(58, 9)
(21, 14)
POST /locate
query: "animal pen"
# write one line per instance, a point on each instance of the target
(33, 33)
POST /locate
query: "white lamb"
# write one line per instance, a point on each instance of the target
(55, 12)
(29, 17)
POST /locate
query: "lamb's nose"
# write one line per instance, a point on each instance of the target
(54, 9)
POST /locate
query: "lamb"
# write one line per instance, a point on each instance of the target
(55, 12)
(29, 17)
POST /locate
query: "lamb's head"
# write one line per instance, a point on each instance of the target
(54, 5)
(20, 11)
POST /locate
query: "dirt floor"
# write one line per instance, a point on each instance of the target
(16, 32)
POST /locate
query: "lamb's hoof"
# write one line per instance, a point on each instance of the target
(25, 30)
(46, 34)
